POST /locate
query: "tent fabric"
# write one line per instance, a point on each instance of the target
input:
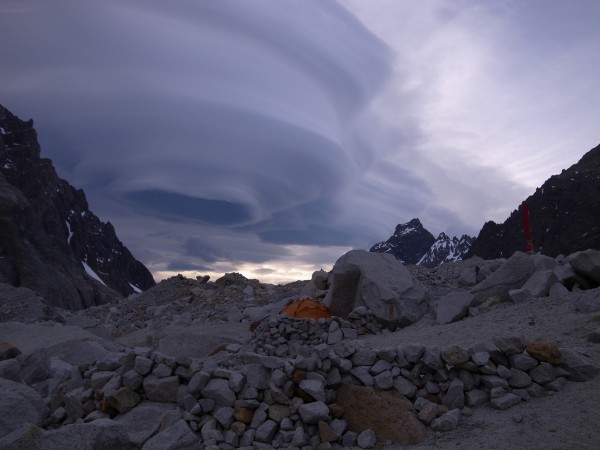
(306, 308)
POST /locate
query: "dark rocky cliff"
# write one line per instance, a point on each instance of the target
(48, 234)
(564, 215)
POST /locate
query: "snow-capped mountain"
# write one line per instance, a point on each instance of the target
(446, 249)
(50, 242)
(411, 243)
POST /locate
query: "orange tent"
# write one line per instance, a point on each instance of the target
(306, 308)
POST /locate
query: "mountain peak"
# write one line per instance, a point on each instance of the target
(411, 243)
(51, 242)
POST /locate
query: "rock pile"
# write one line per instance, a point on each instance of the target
(240, 398)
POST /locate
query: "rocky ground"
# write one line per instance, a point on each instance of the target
(184, 356)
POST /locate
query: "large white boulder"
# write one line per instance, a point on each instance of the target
(511, 275)
(379, 282)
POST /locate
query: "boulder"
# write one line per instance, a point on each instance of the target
(144, 420)
(98, 435)
(176, 437)
(544, 351)
(587, 263)
(312, 413)
(388, 413)
(161, 389)
(539, 284)
(452, 307)
(25, 406)
(579, 366)
(511, 275)
(379, 282)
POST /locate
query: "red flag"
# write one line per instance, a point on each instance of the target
(527, 228)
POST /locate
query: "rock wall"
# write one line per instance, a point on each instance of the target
(298, 383)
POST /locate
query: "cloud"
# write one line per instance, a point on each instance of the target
(183, 265)
(274, 134)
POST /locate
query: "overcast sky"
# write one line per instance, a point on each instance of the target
(269, 137)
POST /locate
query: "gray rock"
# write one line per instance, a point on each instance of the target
(503, 372)
(363, 375)
(224, 416)
(311, 413)
(266, 432)
(510, 345)
(176, 437)
(432, 358)
(522, 361)
(412, 352)
(35, 367)
(364, 357)
(497, 392)
(452, 307)
(476, 397)
(467, 277)
(383, 381)
(144, 420)
(349, 439)
(455, 355)
(519, 379)
(161, 389)
(520, 295)
(20, 404)
(132, 379)
(314, 388)
(344, 349)
(405, 387)
(455, 397)
(366, 439)
(558, 384)
(380, 366)
(558, 290)
(218, 389)
(540, 282)
(198, 382)
(505, 401)
(299, 438)
(447, 421)
(143, 366)
(335, 336)
(10, 370)
(542, 374)
(379, 282)
(99, 434)
(586, 263)
(579, 366)
(257, 376)
(492, 381)
(511, 275)
(480, 358)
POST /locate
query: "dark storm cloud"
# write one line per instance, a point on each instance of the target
(232, 113)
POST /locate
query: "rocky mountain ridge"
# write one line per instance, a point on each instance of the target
(50, 241)
(411, 243)
(564, 214)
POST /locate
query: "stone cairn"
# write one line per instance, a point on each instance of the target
(280, 389)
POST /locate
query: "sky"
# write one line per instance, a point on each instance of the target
(269, 137)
